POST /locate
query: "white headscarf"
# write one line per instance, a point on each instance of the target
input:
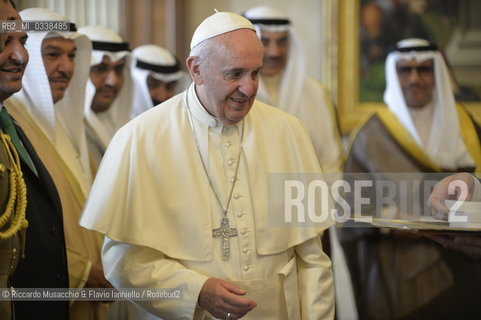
(445, 144)
(159, 63)
(107, 123)
(36, 95)
(295, 73)
(298, 93)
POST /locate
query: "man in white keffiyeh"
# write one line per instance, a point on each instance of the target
(157, 76)
(53, 88)
(108, 101)
(284, 83)
(422, 132)
(423, 101)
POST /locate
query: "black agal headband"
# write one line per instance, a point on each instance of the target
(158, 68)
(430, 47)
(110, 46)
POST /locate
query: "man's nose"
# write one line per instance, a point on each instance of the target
(66, 65)
(249, 86)
(414, 75)
(272, 49)
(19, 54)
(112, 78)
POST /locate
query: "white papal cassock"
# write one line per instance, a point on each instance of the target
(152, 199)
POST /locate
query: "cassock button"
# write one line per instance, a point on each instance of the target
(244, 232)
(240, 214)
(227, 144)
(246, 268)
(245, 251)
(231, 162)
(237, 196)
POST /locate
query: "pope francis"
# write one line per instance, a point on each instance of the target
(182, 195)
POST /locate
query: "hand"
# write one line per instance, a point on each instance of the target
(220, 297)
(446, 189)
(467, 244)
(96, 278)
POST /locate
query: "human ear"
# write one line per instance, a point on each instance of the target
(194, 69)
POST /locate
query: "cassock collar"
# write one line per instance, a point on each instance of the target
(198, 111)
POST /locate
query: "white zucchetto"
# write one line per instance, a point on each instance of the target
(217, 24)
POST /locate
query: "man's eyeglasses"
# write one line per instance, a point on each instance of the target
(404, 71)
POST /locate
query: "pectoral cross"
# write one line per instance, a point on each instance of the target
(225, 232)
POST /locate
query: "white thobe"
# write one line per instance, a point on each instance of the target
(72, 157)
(97, 141)
(422, 119)
(100, 127)
(168, 242)
(317, 113)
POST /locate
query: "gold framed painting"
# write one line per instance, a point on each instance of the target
(368, 29)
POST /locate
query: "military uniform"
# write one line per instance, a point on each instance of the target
(10, 245)
(44, 244)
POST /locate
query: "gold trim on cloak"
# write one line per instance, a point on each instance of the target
(405, 139)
